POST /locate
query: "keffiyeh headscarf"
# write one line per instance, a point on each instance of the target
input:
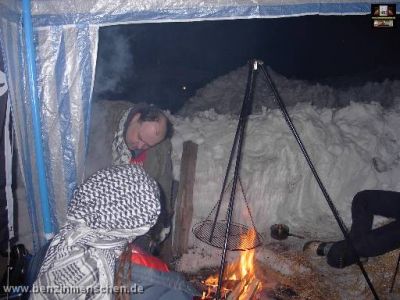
(109, 210)
(120, 152)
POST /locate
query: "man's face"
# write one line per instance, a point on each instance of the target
(144, 135)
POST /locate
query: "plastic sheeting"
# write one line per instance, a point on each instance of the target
(65, 74)
(66, 37)
(120, 11)
(65, 68)
(14, 59)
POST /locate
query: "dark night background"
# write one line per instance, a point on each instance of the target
(166, 63)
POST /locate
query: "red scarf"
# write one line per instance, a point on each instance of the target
(139, 159)
(142, 258)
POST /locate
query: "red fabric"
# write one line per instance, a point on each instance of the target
(139, 160)
(142, 258)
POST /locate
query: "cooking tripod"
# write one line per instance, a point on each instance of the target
(254, 66)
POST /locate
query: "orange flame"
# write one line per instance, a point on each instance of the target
(239, 269)
(247, 257)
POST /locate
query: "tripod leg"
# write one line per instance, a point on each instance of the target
(395, 274)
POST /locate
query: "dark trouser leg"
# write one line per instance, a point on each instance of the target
(368, 203)
(34, 267)
(369, 242)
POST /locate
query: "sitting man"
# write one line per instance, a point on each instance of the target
(109, 210)
(143, 137)
(366, 241)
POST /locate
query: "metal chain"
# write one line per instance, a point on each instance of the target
(247, 204)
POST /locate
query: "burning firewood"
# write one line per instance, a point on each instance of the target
(239, 280)
(251, 289)
(237, 291)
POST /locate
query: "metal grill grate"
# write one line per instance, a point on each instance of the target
(237, 235)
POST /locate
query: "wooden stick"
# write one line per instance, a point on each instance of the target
(251, 290)
(184, 201)
(239, 288)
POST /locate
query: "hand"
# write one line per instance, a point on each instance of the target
(164, 233)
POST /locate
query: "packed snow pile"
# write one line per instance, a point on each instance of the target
(225, 94)
(353, 148)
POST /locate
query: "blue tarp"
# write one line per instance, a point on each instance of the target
(65, 37)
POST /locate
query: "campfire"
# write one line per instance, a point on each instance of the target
(270, 272)
(240, 280)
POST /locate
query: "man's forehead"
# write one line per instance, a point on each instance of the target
(151, 132)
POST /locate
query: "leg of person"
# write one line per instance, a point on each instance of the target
(368, 242)
(339, 255)
(377, 242)
(368, 203)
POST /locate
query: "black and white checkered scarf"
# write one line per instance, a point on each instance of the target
(120, 152)
(109, 210)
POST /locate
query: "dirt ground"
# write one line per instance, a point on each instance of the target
(313, 278)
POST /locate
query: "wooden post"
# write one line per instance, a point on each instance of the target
(184, 200)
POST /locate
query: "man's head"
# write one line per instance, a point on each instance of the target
(147, 126)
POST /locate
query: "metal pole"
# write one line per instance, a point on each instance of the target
(246, 108)
(30, 55)
(228, 168)
(244, 112)
(394, 275)
(340, 222)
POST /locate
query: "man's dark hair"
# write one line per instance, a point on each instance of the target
(150, 113)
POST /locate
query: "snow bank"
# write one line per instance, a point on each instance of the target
(225, 94)
(352, 148)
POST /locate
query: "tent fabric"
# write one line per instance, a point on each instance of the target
(6, 198)
(102, 12)
(68, 55)
(66, 37)
(14, 60)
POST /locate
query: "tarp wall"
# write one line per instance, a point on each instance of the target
(65, 40)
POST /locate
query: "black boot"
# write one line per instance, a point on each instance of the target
(317, 248)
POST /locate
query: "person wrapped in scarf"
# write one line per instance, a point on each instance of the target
(143, 137)
(109, 210)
